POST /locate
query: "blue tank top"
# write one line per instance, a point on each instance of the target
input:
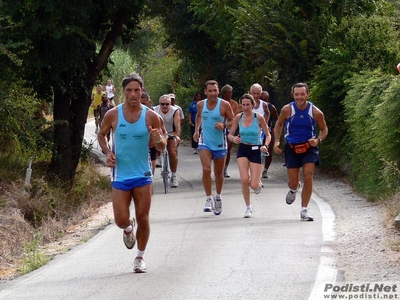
(251, 134)
(301, 126)
(131, 148)
(213, 138)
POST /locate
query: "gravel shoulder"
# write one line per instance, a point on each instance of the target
(364, 242)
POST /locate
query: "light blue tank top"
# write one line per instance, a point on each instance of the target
(213, 138)
(131, 148)
(251, 134)
(301, 126)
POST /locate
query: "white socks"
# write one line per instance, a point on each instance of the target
(140, 253)
(128, 229)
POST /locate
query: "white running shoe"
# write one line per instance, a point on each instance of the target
(217, 206)
(130, 239)
(209, 206)
(139, 266)
(96, 131)
(258, 190)
(304, 216)
(174, 181)
(158, 162)
(248, 213)
(291, 196)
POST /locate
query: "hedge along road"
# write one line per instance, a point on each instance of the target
(196, 255)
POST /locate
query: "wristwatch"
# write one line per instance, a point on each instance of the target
(320, 140)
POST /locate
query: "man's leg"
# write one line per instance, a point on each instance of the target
(173, 161)
(308, 175)
(219, 164)
(205, 158)
(121, 201)
(142, 200)
(293, 178)
(173, 155)
(293, 183)
(228, 159)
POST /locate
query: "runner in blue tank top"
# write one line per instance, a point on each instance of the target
(211, 115)
(301, 119)
(133, 127)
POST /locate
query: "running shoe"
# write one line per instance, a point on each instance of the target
(248, 213)
(174, 181)
(209, 207)
(96, 131)
(264, 173)
(158, 162)
(291, 196)
(258, 190)
(304, 216)
(139, 266)
(130, 239)
(226, 174)
(217, 206)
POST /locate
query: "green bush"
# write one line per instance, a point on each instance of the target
(373, 139)
(357, 44)
(24, 129)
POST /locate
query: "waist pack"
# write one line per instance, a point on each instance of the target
(300, 148)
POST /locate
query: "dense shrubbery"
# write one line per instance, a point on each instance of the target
(372, 114)
(358, 44)
(23, 128)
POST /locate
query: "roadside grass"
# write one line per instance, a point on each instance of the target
(41, 213)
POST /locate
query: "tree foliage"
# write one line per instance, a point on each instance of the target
(373, 139)
(56, 42)
(358, 44)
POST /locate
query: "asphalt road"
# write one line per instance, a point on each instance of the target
(197, 255)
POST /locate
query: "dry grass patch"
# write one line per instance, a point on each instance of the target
(45, 214)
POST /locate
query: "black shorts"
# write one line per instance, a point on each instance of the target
(294, 160)
(153, 153)
(251, 152)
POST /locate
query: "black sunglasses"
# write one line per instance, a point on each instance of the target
(164, 104)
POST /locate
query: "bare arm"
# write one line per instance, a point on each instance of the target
(110, 118)
(155, 129)
(190, 118)
(177, 123)
(235, 125)
(227, 113)
(267, 112)
(274, 112)
(196, 134)
(323, 128)
(279, 126)
(265, 128)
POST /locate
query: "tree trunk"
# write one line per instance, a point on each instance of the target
(71, 109)
(61, 162)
